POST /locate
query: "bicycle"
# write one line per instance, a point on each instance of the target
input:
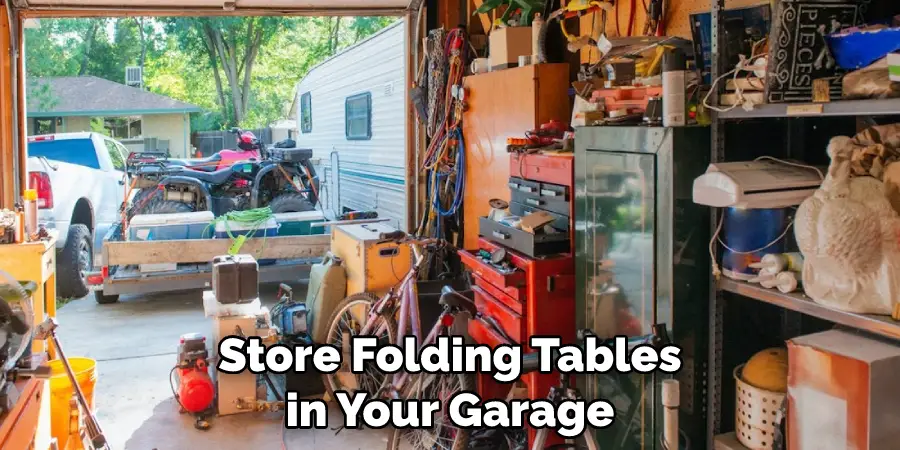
(364, 315)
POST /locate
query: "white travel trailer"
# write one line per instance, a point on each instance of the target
(351, 111)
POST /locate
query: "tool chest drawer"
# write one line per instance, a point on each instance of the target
(512, 282)
(483, 334)
(550, 197)
(511, 323)
(561, 222)
(534, 245)
(512, 297)
(558, 169)
(526, 186)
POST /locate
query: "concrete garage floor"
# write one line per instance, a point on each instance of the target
(134, 342)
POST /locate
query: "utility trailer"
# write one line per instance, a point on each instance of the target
(120, 273)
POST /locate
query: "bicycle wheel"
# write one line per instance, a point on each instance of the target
(350, 317)
(443, 435)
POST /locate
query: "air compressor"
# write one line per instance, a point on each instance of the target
(193, 389)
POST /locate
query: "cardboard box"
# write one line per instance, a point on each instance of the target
(508, 44)
(842, 392)
(893, 60)
(230, 387)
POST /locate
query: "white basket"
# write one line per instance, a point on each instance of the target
(755, 414)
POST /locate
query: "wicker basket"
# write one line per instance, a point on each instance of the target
(755, 414)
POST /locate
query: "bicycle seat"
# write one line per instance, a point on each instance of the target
(453, 299)
(217, 177)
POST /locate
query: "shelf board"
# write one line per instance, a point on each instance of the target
(873, 107)
(882, 325)
(727, 441)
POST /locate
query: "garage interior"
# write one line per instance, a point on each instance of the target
(703, 175)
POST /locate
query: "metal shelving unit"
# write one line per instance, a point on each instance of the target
(792, 303)
(881, 325)
(835, 108)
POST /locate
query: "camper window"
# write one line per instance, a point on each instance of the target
(359, 116)
(306, 113)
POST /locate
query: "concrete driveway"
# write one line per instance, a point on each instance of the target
(134, 342)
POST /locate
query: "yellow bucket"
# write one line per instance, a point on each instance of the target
(61, 392)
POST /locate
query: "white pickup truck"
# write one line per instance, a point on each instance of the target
(80, 180)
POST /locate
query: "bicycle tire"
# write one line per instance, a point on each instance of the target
(461, 439)
(360, 299)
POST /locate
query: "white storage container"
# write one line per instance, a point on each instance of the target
(167, 227)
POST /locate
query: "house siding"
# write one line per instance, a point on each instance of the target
(171, 127)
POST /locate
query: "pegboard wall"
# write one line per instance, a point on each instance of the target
(678, 14)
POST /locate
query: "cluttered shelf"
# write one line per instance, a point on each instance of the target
(870, 107)
(882, 325)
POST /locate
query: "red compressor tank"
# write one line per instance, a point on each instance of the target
(195, 392)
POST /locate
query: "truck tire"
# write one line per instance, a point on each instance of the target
(104, 299)
(167, 207)
(287, 203)
(73, 261)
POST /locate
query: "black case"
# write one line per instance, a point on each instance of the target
(291, 154)
(235, 279)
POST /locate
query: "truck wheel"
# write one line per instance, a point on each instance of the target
(288, 203)
(74, 261)
(167, 207)
(104, 299)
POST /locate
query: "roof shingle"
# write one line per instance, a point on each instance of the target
(92, 96)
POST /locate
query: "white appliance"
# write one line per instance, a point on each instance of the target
(755, 185)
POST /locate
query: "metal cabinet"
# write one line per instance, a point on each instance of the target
(640, 261)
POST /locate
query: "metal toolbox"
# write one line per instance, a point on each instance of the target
(561, 223)
(372, 265)
(534, 245)
(550, 197)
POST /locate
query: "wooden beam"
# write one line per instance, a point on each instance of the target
(485, 20)
(204, 250)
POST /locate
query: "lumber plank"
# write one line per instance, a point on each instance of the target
(204, 250)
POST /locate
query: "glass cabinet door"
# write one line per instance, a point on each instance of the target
(615, 260)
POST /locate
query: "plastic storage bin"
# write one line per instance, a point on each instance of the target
(167, 227)
(267, 229)
(299, 223)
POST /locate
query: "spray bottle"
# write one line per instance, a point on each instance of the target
(536, 26)
(775, 263)
(673, 81)
(31, 212)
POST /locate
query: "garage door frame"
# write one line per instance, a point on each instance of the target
(13, 134)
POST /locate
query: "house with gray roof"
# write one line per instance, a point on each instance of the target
(129, 114)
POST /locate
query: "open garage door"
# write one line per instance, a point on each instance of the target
(317, 7)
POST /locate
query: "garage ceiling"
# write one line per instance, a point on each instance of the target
(188, 6)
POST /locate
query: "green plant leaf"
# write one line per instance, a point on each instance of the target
(490, 5)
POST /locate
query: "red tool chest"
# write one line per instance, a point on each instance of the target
(538, 297)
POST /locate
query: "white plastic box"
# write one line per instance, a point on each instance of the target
(167, 227)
